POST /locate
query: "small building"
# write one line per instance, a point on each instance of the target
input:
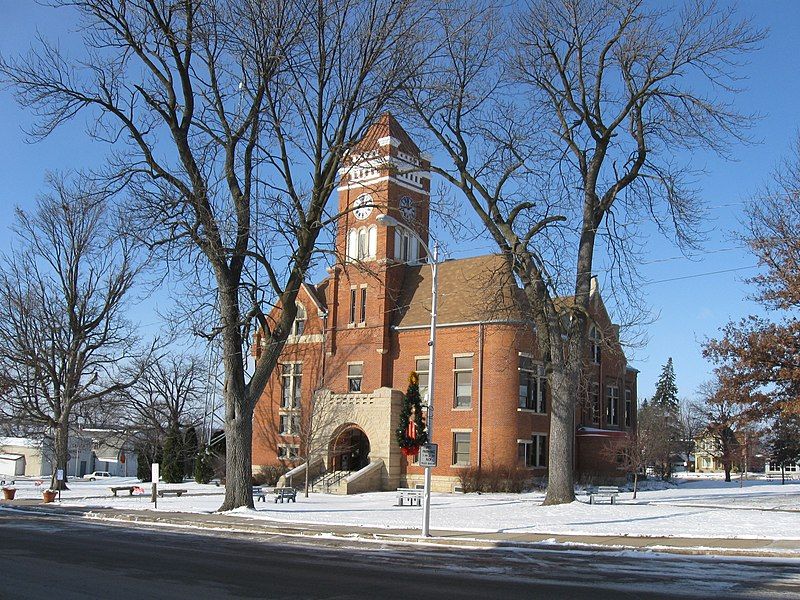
(30, 456)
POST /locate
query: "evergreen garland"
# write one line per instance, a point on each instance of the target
(409, 444)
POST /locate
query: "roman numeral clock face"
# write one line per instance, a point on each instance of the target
(407, 208)
(362, 207)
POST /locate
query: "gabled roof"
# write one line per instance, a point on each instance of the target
(480, 288)
(387, 126)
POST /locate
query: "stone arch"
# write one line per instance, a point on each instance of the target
(349, 448)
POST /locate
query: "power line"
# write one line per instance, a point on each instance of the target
(700, 275)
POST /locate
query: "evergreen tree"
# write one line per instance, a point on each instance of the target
(146, 455)
(666, 394)
(203, 465)
(411, 437)
(172, 466)
(191, 448)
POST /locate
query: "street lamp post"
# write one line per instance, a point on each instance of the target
(387, 221)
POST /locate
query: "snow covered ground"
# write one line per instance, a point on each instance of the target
(694, 508)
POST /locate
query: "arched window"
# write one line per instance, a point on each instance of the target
(299, 325)
(352, 244)
(363, 249)
(373, 241)
(594, 344)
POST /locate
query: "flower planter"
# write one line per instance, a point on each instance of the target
(8, 493)
(49, 495)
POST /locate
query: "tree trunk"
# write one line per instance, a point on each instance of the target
(61, 454)
(238, 462)
(783, 475)
(308, 467)
(727, 472)
(635, 483)
(560, 484)
(238, 409)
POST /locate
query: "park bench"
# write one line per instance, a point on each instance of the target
(287, 493)
(259, 494)
(414, 496)
(604, 491)
(123, 488)
(162, 493)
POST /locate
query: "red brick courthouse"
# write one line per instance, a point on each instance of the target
(361, 331)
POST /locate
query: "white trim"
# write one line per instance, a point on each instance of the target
(388, 141)
(459, 324)
(394, 179)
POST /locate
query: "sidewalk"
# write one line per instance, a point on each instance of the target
(451, 538)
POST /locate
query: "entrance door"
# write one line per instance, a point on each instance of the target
(350, 450)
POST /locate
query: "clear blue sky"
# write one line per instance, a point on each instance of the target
(691, 301)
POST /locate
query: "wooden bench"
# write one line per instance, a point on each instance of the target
(123, 488)
(162, 493)
(414, 496)
(287, 493)
(259, 494)
(604, 491)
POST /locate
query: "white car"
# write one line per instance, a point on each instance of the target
(97, 475)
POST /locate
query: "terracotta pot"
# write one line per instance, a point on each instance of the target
(49, 496)
(8, 493)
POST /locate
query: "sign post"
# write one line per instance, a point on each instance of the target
(60, 479)
(154, 478)
(428, 455)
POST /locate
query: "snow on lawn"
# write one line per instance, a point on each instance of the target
(705, 508)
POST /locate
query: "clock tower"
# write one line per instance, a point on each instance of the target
(385, 173)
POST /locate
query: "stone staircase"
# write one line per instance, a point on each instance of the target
(331, 483)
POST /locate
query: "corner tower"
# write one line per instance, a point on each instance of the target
(385, 173)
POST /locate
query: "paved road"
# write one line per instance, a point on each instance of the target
(64, 557)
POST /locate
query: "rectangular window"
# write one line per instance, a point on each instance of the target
(532, 385)
(595, 402)
(354, 374)
(533, 452)
(363, 305)
(462, 374)
(612, 408)
(291, 385)
(422, 368)
(352, 305)
(288, 451)
(461, 443)
(284, 428)
(628, 408)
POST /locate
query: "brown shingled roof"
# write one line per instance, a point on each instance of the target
(480, 288)
(386, 126)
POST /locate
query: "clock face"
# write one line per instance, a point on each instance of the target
(362, 207)
(407, 208)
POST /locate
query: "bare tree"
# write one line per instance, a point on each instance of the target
(567, 142)
(631, 454)
(168, 395)
(165, 399)
(64, 336)
(724, 415)
(690, 425)
(229, 120)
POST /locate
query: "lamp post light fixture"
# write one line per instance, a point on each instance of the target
(388, 221)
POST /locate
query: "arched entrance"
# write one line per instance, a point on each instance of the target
(349, 450)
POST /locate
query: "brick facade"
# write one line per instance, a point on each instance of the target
(371, 315)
